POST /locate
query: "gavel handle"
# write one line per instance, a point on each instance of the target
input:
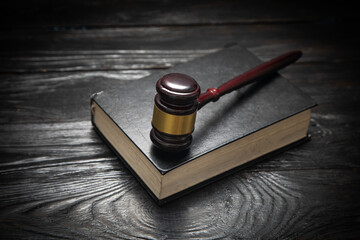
(257, 73)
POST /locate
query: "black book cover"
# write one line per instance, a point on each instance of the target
(233, 116)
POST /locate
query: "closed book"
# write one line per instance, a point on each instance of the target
(241, 127)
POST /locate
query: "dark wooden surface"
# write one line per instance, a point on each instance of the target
(58, 180)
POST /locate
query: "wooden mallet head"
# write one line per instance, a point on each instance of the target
(176, 104)
(178, 99)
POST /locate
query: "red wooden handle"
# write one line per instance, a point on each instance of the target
(257, 73)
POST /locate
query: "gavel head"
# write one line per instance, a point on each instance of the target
(174, 112)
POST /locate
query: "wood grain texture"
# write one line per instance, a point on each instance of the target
(95, 60)
(109, 203)
(58, 180)
(323, 38)
(67, 14)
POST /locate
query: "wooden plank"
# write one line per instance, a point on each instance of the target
(98, 201)
(83, 14)
(56, 97)
(118, 49)
(308, 37)
(95, 60)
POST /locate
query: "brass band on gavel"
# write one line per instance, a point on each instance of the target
(173, 124)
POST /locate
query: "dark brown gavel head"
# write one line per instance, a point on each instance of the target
(174, 112)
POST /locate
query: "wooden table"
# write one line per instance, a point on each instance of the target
(59, 180)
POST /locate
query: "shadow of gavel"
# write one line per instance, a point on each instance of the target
(178, 99)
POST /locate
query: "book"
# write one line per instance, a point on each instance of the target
(238, 129)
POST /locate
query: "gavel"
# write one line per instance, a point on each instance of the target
(178, 99)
